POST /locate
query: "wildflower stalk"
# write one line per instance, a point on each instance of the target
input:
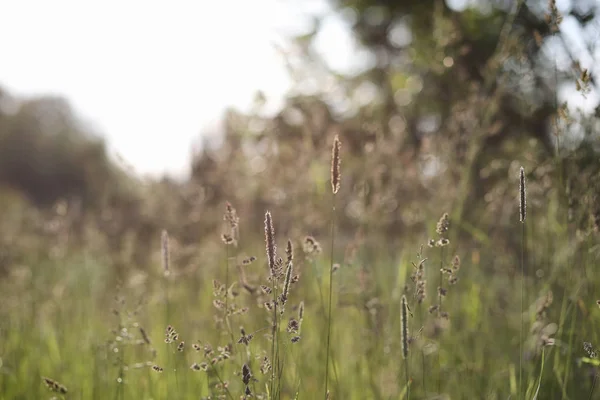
(522, 216)
(335, 187)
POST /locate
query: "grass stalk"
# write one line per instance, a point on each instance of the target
(335, 187)
(330, 298)
(593, 386)
(522, 217)
(440, 297)
(423, 373)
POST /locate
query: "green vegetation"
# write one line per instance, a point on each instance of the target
(429, 272)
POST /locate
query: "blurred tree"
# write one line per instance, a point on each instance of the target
(48, 155)
(466, 88)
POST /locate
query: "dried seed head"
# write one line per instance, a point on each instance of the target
(443, 224)
(589, 349)
(523, 195)
(442, 242)
(270, 243)
(293, 326)
(246, 374)
(265, 365)
(289, 251)
(195, 367)
(301, 312)
(249, 260)
(54, 386)
(164, 240)
(232, 220)
(245, 339)
(266, 289)
(335, 165)
(311, 247)
(456, 263)
(404, 326)
(286, 284)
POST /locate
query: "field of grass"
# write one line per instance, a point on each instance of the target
(439, 316)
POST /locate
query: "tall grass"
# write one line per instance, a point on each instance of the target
(335, 187)
(522, 215)
(61, 309)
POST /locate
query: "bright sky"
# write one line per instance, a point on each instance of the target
(151, 72)
(161, 72)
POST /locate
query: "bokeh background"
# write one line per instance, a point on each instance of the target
(121, 119)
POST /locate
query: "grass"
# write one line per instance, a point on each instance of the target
(69, 331)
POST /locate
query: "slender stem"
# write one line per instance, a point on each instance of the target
(227, 294)
(522, 309)
(593, 386)
(275, 341)
(422, 351)
(330, 296)
(537, 391)
(407, 379)
(166, 323)
(440, 297)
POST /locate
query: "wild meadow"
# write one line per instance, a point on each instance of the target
(267, 316)
(369, 255)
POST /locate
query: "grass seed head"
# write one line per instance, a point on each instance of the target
(523, 195)
(335, 165)
(270, 243)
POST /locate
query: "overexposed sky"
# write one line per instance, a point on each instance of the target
(151, 75)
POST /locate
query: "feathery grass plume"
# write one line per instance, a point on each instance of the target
(164, 241)
(523, 195)
(54, 386)
(335, 165)
(270, 243)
